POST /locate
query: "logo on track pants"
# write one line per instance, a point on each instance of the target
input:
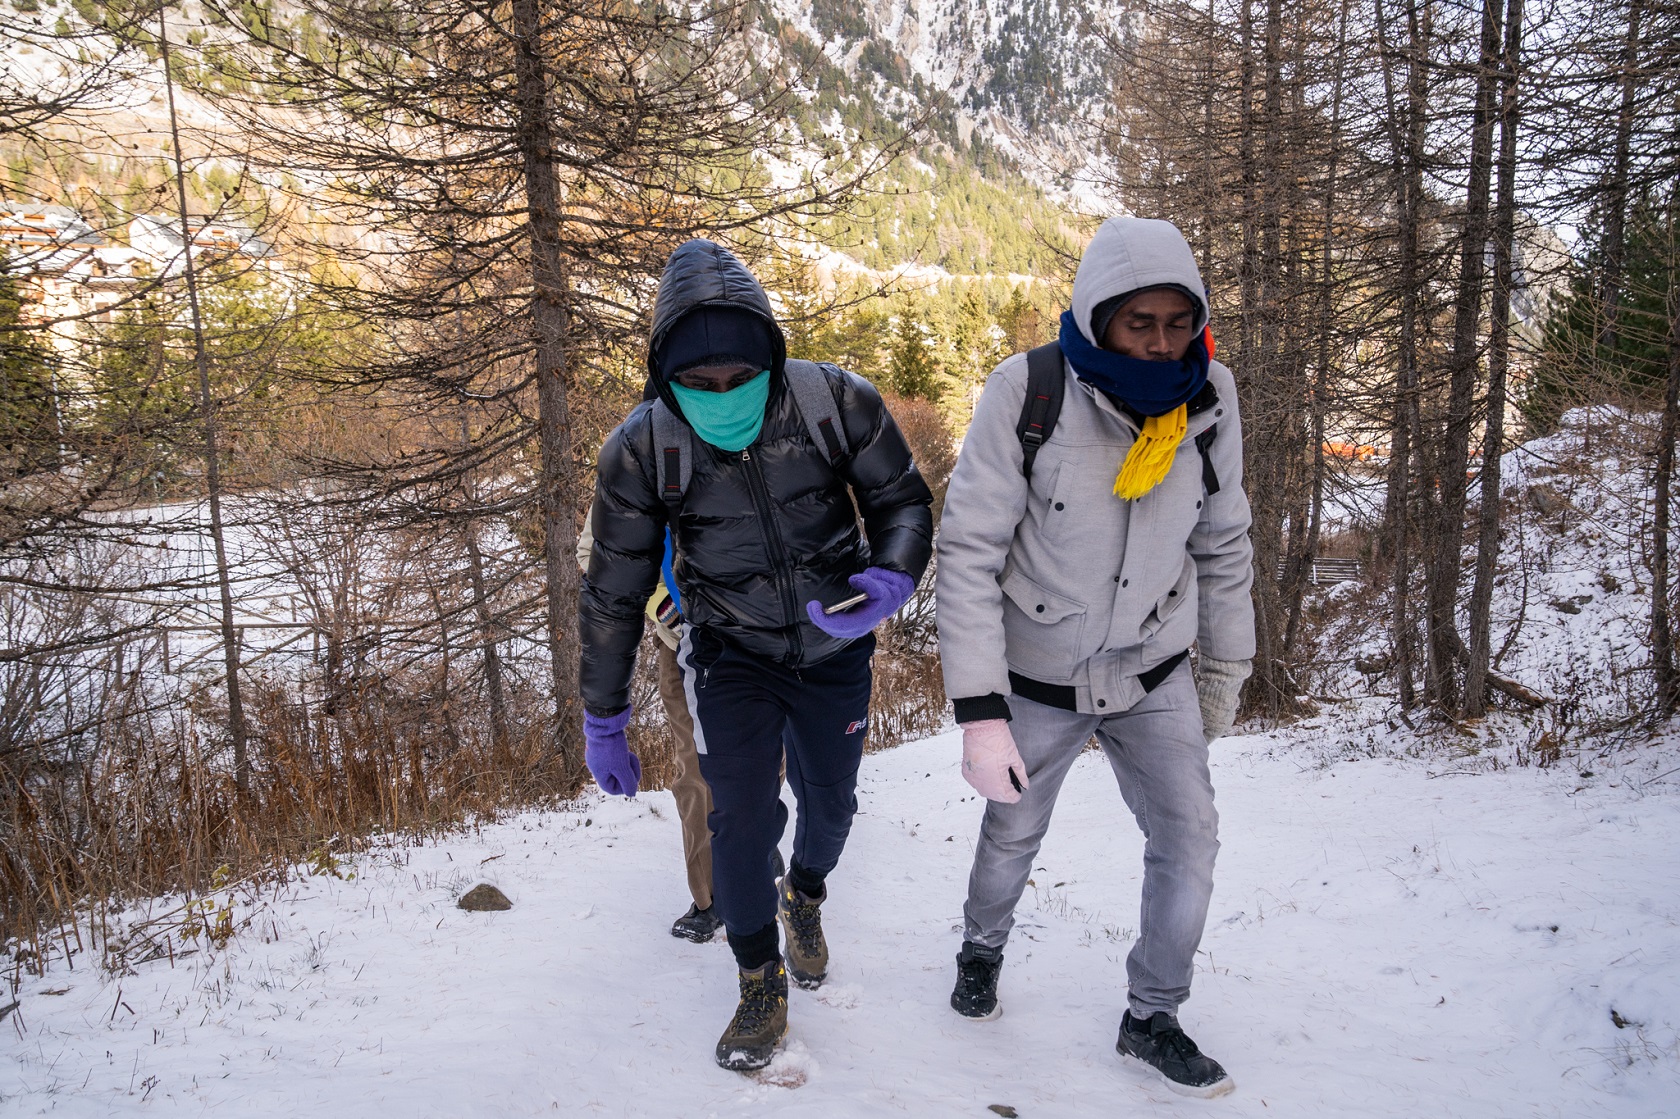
(857, 725)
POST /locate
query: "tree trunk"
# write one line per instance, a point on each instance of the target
(443, 692)
(488, 649)
(489, 652)
(212, 454)
(1616, 188)
(1212, 200)
(1406, 140)
(1662, 624)
(549, 320)
(1499, 352)
(1325, 328)
(1273, 396)
(1445, 562)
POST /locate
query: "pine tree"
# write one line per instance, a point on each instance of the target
(1023, 325)
(1582, 362)
(912, 368)
(29, 431)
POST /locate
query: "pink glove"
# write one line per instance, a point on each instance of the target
(990, 760)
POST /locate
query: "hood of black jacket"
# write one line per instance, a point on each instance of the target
(702, 273)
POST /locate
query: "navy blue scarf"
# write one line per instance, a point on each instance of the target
(1152, 387)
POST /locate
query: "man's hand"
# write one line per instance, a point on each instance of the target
(991, 763)
(887, 591)
(607, 753)
(1218, 688)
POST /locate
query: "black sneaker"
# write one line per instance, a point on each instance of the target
(698, 925)
(975, 995)
(760, 1020)
(807, 950)
(1160, 1044)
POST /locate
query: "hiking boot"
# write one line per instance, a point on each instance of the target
(1158, 1042)
(975, 995)
(807, 951)
(698, 925)
(760, 1021)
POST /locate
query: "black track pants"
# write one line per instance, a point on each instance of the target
(746, 711)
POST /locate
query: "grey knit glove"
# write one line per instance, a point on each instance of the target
(1218, 687)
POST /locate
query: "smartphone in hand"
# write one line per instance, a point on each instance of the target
(846, 603)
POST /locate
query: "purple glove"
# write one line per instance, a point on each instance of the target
(607, 753)
(887, 591)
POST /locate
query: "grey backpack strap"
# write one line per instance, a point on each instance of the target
(809, 385)
(673, 449)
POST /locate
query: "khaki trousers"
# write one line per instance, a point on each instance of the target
(693, 795)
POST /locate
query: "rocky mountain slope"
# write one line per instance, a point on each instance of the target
(1022, 75)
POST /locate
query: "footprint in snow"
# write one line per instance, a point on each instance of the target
(790, 1068)
(846, 996)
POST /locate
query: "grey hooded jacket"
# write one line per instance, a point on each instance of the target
(1060, 581)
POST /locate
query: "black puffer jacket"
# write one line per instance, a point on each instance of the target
(760, 532)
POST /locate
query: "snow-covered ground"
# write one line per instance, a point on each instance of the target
(1384, 941)
(1571, 609)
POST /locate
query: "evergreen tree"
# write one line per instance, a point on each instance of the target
(912, 368)
(1023, 325)
(28, 412)
(1580, 361)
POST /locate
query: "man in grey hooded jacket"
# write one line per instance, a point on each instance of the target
(1068, 602)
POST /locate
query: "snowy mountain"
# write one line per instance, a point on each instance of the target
(1021, 74)
(1029, 63)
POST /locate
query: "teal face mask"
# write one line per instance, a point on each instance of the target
(731, 420)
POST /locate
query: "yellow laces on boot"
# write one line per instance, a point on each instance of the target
(1152, 455)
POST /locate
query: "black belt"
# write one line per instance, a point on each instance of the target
(1065, 697)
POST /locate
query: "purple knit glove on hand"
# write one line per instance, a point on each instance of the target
(607, 753)
(887, 591)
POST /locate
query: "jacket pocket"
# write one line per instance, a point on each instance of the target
(1042, 629)
(1171, 602)
(1047, 471)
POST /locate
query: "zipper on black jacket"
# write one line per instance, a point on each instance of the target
(779, 564)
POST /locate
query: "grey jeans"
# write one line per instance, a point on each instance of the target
(1161, 761)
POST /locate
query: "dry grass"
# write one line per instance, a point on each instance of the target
(909, 698)
(145, 804)
(142, 802)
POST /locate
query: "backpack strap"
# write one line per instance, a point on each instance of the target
(673, 448)
(1046, 382)
(1210, 476)
(808, 383)
(673, 440)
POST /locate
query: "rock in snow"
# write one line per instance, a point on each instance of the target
(484, 898)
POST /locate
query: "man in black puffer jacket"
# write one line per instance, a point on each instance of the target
(755, 463)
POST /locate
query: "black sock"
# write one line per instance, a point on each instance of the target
(755, 950)
(807, 882)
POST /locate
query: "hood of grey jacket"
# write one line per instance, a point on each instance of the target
(1132, 253)
(1055, 578)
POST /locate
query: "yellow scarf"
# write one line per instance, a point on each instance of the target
(1152, 455)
